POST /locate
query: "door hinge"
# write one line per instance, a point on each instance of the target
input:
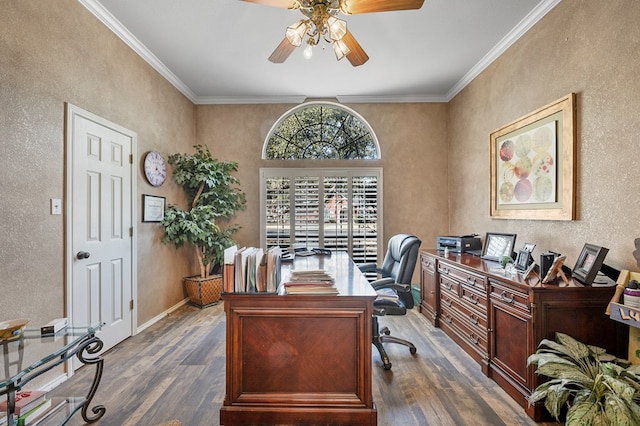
(131, 231)
(131, 305)
(130, 158)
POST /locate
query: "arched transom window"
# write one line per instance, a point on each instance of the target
(336, 208)
(319, 131)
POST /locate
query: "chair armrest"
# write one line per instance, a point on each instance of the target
(389, 283)
(382, 283)
(367, 267)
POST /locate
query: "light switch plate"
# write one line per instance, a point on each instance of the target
(56, 206)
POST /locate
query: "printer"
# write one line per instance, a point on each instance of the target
(462, 244)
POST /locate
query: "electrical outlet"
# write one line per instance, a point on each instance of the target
(56, 206)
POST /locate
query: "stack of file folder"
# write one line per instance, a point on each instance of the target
(310, 282)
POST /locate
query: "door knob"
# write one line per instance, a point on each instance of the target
(82, 255)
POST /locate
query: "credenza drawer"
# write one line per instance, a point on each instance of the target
(428, 262)
(472, 334)
(474, 299)
(510, 296)
(449, 287)
(463, 276)
(470, 317)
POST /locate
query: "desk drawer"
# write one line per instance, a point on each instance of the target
(510, 296)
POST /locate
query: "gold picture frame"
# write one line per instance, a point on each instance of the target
(533, 164)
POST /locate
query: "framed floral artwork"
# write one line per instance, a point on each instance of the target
(532, 163)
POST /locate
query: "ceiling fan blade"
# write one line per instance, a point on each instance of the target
(282, 52)
(369, 6)
(357, 56)
(284, 4)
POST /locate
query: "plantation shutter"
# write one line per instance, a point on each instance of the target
(334, 209)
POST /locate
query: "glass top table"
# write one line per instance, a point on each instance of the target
(30, 354)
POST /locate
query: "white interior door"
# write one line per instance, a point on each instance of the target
(100, 238)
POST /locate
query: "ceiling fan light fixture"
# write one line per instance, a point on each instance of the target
(296, 32)
(308, 52)
(340, 48)
(322, 24)
(337, 28)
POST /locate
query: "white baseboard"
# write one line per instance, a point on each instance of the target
(161, 316)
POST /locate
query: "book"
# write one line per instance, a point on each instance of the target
(31, 416)
(25, 401)
(228, 270)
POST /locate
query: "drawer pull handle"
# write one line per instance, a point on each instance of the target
(447, 302)
(506, 299)
(447, 285)
(444, 271)
(475, 340)
(447, 318)
(471, 281)
(474, 319)
(474, 299)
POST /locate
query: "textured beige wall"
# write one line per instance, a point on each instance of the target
(412, 140)
(52, 52)
(584, 46)
(57, 52)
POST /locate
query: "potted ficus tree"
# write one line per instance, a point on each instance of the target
(214, 197)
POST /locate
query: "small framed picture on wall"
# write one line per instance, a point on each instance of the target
(152, 208)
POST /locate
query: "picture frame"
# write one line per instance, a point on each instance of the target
(498, 245)
(533, 166)
(152, 208)
(555, 270)
(589, 263)
(523, 260)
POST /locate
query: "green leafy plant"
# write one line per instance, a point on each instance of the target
(595, 387)
(213, 195)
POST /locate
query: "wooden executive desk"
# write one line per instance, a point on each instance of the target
(301, 358)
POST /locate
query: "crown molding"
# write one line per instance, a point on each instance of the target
(406, 99)
(119, 30)
(518, 31)
(221, 100)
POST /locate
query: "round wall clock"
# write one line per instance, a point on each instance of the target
(155, 168)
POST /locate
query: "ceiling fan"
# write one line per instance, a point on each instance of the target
(321, 22)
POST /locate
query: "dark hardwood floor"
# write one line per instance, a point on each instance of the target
(175, 369)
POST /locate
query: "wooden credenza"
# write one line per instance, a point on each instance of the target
(499, 320)
(301, 359)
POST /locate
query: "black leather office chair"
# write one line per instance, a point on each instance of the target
(394, 289)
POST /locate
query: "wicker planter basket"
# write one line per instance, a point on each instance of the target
(204, 292)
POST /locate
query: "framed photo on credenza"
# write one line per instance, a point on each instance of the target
(497, 246)
(589, 263)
